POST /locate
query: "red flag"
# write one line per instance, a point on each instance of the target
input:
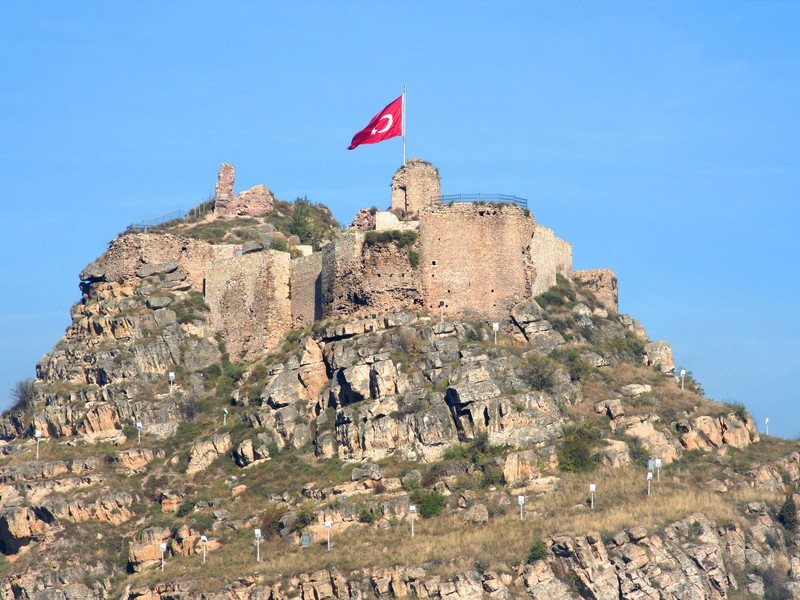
(386, 124)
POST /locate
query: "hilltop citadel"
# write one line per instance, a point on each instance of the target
(475, 259)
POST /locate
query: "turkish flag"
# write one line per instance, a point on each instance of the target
(386, 124)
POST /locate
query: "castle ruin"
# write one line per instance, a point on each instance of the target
(465, 259)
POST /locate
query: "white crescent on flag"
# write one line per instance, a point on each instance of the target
(388, 125)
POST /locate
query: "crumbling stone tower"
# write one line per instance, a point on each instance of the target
(414, 185)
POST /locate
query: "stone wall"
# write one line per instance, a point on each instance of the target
(549, 256)
(475, 257)
(603, 284)
(359, 276)
(127, 254)
(341, 266)
(388, 221)
(306, 290)
(249, 300)
(414, 186)
(255, 201)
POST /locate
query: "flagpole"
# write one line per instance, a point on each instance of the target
(404, 126)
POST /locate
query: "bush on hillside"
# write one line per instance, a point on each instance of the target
(787, 515)
(539, 372)
(578, 448)
(538, 551)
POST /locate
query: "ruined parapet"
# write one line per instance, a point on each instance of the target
(253, 202)
(364, 219)
(249, 300)
(367, 274)
(602, 283)
(415, 185)
(306, 285)
(549, 256)
(128, 254)
(475, 258)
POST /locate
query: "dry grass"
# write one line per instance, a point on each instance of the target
(448, 544)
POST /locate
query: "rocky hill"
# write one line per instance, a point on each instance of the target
(195, 398)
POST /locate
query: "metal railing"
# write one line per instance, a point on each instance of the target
(177, 214)
(493, 198)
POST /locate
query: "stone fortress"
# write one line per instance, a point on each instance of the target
(463, 259)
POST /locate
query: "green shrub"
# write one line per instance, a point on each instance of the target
(492, 475)
(270, 522)
(413, 258)
(577, 368)
(787, 515)
(305, 516)
(538, 551)
(577, 448)
(401, 238)
(638, 453)
(739, 409)
(184, 509)
(278, 244)
(539, 372)
(365, 515)
(429, 504)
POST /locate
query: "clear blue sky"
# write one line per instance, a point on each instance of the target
(661, 139)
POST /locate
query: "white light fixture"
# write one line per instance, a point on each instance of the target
(204, 539)
(683, 374)
(592, 490)
(163, 549)
(328, 525)
(38, 435)
(495, 328)
(521, 502)
(258, 545)
(658, 469)
(139, 428)
(412, 511)
(224, 416)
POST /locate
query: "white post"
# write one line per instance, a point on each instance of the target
(171, 380)
(683, 374)
(258, 545)
(139, 428)
(649, 479)
(495, 328)
(224, 416)
(441, 311)
(163, 549)
(592, 490)
(766, 422)
(521, 502)
(658, 469)
(404, 126)
(328, 525)
(38, 435)
(204, 539)
(412, 510)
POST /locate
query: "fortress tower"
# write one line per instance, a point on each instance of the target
(415, 185)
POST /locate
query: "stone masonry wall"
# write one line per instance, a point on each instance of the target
(414, 186)
(129, 253)
(306, 282)
(474, 257)
(603, 283)
(549, 255)
(249, 300)
(255, 201)
(341, 266)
